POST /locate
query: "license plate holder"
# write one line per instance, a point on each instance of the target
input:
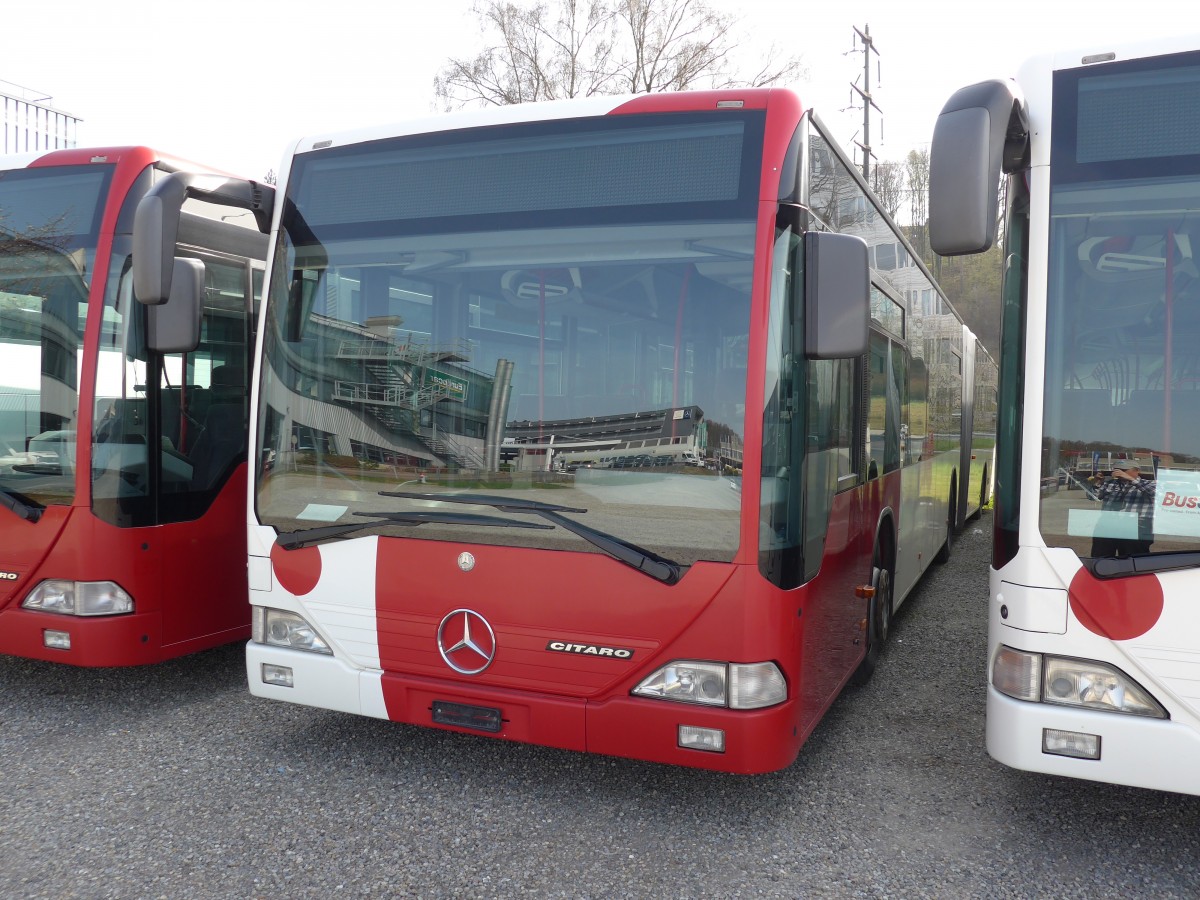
(463, 715)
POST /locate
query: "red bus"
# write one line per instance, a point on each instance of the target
(618, 425)
(122, 428)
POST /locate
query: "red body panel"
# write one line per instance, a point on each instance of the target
(583, 702)
(188, 579)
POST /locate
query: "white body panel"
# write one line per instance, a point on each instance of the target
(341, 607)
(1030, 609)
(1135, 750)
(320, 681)
(1138, 752)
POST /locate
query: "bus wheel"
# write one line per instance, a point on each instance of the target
(943, 555)
(879, 624)
(983, 495)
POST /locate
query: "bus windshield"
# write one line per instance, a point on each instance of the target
(49, 223)
(1121, 450)
(560, 306)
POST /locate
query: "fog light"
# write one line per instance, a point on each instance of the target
(280, 676)
(692, 737)
(56, 640)
(1075, 744)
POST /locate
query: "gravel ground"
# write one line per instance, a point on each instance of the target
(171, 781)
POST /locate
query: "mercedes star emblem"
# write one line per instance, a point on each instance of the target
(466, 641)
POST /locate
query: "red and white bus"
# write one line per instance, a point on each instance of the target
(122, 429)
(1094, 628)
(692, 277)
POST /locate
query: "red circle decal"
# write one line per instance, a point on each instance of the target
(297, 571)
(1119, 609)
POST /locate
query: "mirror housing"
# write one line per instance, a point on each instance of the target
(156, 224)
(982, 131)
(174, 326)
(837, 295)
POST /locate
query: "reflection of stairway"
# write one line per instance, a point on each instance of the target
(398, 370)
(396, 381)
(457, 453)
(407, 354)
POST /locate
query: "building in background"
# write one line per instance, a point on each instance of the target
(30, 124)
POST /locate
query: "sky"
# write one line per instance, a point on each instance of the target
(231, 83)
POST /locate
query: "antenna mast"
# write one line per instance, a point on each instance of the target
(868, 47)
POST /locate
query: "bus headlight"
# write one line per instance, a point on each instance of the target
(1080, 683)
(79, 598)
(284, 629)
(732, 685)
(1094, 685)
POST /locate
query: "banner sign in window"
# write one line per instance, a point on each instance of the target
(1177, 503)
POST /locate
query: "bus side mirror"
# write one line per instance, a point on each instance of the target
(837, 295)
(156, 224)
(174, 326)
(981, 131)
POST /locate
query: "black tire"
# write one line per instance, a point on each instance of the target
(879, 624)
(983, 494)
(943, 555)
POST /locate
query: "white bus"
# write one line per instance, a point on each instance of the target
(1094, 626)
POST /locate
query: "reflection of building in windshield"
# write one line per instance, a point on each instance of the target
(375, 393)
(644, 439)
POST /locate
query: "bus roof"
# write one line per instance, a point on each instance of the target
(547, 110)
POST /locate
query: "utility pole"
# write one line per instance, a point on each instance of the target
(868, 47)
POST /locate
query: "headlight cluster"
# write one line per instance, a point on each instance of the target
(732, 685)
(79, 598)
(284, 629)
(1080, 683)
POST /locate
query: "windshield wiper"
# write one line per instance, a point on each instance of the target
(1144, 563)
(312, 535)
(18, 505)
(658, 567)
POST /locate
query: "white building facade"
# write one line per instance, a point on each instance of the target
(31, 124)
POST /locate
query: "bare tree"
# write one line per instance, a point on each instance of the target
(889, 185)
(917, 168)
(535, 52)
(552, 49)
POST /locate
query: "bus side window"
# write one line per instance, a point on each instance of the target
(898, 405)
(844, 418)
(878, 433)
(916, 414)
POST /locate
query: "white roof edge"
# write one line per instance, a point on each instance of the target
(21, 160)
(579, 107)
(1072, 57)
